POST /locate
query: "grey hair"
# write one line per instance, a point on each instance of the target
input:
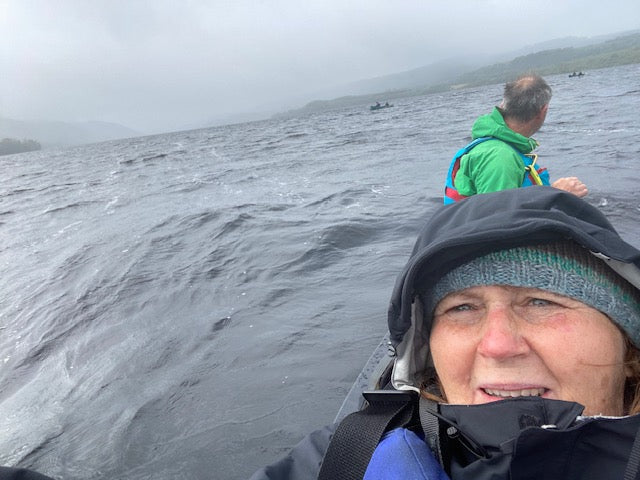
(525, 97)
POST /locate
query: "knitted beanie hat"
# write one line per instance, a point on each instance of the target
(564, 268)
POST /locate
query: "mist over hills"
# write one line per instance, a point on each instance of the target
(549, 57)
(555, 56)
(447, 70)
(54, 133)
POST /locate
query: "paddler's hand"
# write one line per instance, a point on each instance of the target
(571, 185)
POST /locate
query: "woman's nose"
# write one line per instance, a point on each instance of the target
(501, 335)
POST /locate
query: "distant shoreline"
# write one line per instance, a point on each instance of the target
(9, 146)
(623, 50)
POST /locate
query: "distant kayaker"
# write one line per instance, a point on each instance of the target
(500, 156)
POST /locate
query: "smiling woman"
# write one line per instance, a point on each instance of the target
(515, 326)
(513, 341)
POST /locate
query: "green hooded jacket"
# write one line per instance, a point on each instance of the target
(493, 165)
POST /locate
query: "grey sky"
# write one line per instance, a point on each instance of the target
(156, 65)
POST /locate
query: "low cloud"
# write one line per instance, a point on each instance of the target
(159, 65)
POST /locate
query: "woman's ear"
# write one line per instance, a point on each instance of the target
(628, 371)
(631, 359)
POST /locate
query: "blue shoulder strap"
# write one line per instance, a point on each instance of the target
(464, 150)
(450, 193)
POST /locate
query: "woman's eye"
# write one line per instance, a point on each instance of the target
(464, 307)
(540, 302)
(458, 314)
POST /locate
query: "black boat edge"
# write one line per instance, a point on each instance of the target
(374, 376)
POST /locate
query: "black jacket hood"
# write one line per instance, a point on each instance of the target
(489, 222)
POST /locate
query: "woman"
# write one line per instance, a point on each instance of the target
(516, 322)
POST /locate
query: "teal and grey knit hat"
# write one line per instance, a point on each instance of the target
(564, 268)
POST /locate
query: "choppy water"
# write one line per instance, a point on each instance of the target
(189, 305)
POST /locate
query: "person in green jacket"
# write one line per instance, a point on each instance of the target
(497, 164)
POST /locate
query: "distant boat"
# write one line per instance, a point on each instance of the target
(574, 74)
(379, 106)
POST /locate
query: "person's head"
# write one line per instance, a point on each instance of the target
(548, 320)
(526, 99)
(517, 304)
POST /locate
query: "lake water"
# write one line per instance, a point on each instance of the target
(189, 305)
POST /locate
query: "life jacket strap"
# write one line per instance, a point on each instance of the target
(431, 426)
(532, 171)
(358, 435)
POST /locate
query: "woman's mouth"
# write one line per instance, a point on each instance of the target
(525, 392)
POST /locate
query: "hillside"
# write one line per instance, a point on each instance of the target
(52, 133)
(622, 50)
(443, 71)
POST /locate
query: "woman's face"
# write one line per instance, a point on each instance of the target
(495, 342)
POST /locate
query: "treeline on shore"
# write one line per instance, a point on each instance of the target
(623, 50)
(12, 145)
